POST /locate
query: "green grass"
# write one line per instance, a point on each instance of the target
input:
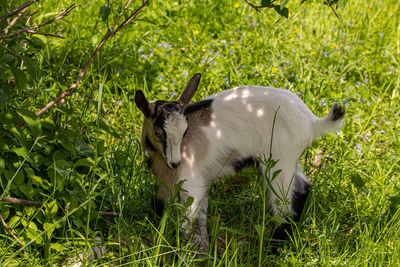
(352, 217)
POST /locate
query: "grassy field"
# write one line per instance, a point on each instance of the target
(352, 217)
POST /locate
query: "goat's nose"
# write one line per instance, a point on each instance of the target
(175, 165)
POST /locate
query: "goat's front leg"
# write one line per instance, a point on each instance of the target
(197, 215)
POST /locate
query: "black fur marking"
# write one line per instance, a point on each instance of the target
(158, 205)
(246, 162)
(204, 104)
(299, 201)
(157, 105)
(338, 112)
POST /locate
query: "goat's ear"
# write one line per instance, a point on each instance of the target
(190, 89)
(145, 106)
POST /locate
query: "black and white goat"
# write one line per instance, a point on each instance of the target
(218, 136)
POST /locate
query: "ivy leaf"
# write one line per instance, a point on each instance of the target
(32, 120)
(283, 11)
(105, 11)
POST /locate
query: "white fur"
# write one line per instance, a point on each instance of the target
(175, 127)
(245, 121)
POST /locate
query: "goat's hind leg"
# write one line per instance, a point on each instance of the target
(300, 190)
(300, 193)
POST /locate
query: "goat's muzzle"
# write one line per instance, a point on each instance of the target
(174, 165)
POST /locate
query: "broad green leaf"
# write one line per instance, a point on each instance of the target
(283, 11)
(32, 67)
(67, 144)
(37, 42)
(51, 208)
(342, 4)
(49, 227)
(105, 11)
(48, 123)
(5, 211)
(21, 151)
(32, 120)
(57, 247)
(266, 3)
(283, 2)
(19, 178)
(3, 144)
(20, 78)
(59, 172)
(27, 189)
(14, 221)
(29, 210)
(85, 162)
(39, 159)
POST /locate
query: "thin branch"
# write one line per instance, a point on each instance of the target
(46, 34)
(330, 4)
(14, 21)
(18, 9)
(18, 201)
(12, 234)
(257, 8)
(73, 87)
(63, 14)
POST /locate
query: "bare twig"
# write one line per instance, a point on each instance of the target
(330, 4)
(46, 34)
(14, 200)
(63, 14)
(110, 214)
(13, 21)
(72, 88)
(18, 9)
(257, 8)
(12, 234)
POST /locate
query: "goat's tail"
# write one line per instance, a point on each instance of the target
(332, 122)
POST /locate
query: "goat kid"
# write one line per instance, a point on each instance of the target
(224, 133)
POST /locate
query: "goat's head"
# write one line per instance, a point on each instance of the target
(168, 122)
